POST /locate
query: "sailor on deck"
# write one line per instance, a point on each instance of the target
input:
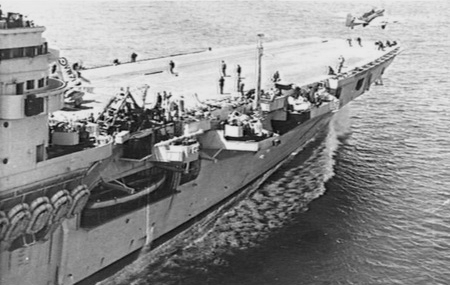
(133, 57)
(341, 60)
(276, 76)
(171, 67)
(331, 71)
(241, 88)
(224, 68)
(258, 127)
(221, 84)
(358, 39)
(238, 70)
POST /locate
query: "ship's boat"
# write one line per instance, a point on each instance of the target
(141, 170)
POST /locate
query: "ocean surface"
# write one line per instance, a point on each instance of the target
(368, 202)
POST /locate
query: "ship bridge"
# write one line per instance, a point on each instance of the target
(28, 95)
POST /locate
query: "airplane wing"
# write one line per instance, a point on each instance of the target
(383, 22)
(359, 22)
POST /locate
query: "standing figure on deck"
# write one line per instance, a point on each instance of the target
(221, 84)
(159, 100)
(331, 71)
(224, 68)
(276, 76)
(133, 57)
(241, 89)
(358, 39)
(171, 67)
(341, 60)
(349, 40)
(380, 45)
(238, 70)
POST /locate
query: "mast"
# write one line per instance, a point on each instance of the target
(258, 75)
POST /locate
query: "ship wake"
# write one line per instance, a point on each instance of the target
(267, 205)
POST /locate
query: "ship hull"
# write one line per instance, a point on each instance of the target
(84, 252)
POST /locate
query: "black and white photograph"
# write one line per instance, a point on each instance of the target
(224, 142)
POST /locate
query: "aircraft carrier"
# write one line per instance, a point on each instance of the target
(149, 149)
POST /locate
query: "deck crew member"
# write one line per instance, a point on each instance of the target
(276, 76)
(258, 127)
(91, 118)
(380, 45)
(133, 57)
(341, 60)
(331, 71)
(159, 100)
(238, 70)
(358, 39)
(172, 67)
(221, 84)
(224, 69)
(241, 89)
(181, 105)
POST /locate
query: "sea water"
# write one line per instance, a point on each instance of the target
(378, 180)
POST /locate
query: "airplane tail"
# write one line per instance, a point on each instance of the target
(349, 21)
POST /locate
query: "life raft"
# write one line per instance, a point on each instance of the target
(80, 196)
(41, 213)
(62, 203)
(19, 218)
(4, 224)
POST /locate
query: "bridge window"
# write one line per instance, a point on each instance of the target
(30, 84)
(359, 84)
(9, 53)
(17, 52)
(33, 105)
(19, 88)
(29, 51)
(5, 53)
(41, 83)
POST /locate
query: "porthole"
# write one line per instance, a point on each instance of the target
(5, 161)
(6, 124)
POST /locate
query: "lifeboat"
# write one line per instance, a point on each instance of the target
(41, 212)
(19, 218)
(62, 204)
(4, 224)
(80, 196)
(114, 201)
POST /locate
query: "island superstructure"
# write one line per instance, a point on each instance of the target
(81, 188)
